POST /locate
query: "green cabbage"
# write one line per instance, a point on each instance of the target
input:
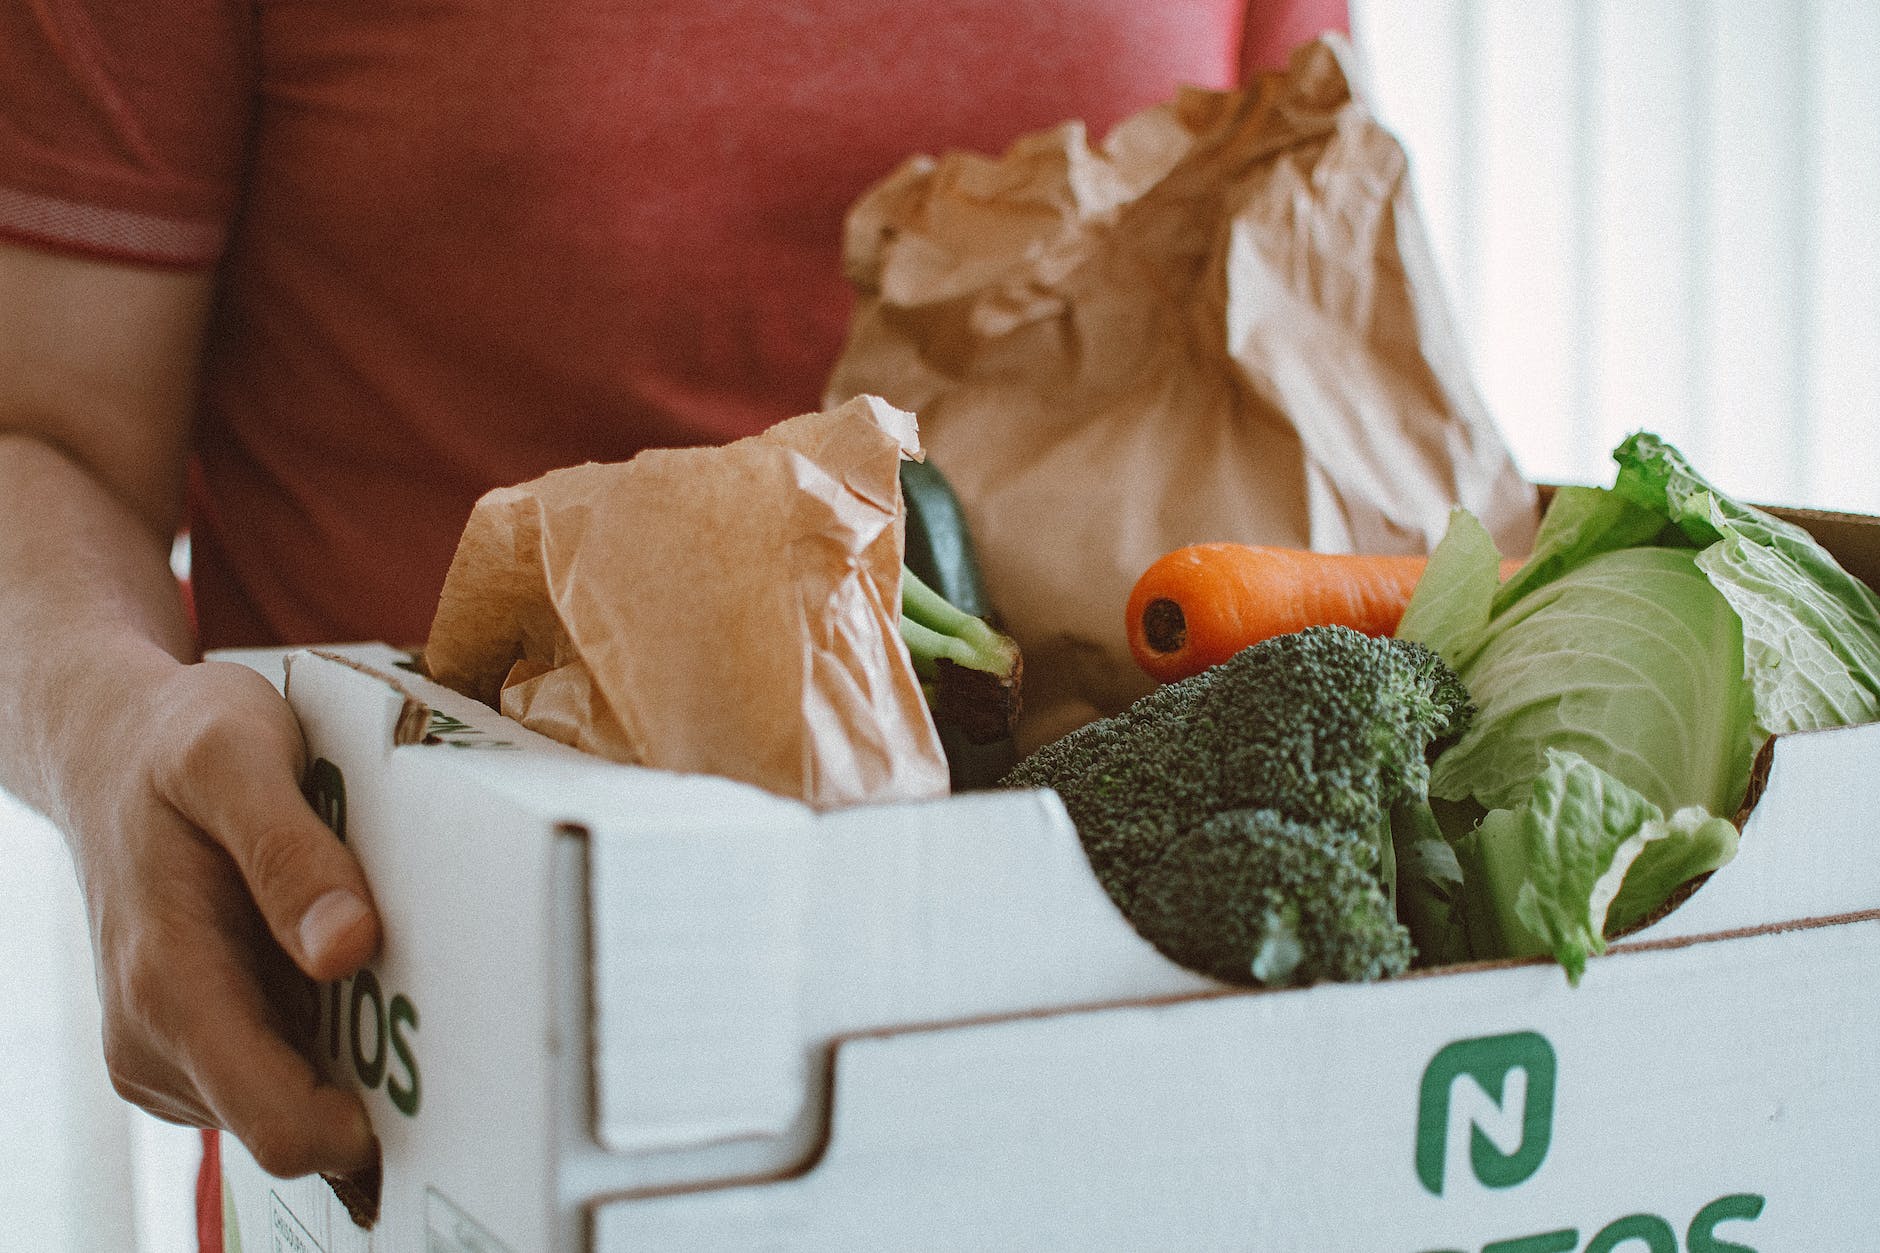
(1630, 670)
(1631, 660)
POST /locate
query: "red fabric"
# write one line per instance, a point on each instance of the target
(463, 244)
(209, 1195)
(1275, 27)
(122, 124)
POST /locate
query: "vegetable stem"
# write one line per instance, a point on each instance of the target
(971, 670)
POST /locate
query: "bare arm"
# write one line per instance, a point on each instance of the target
(175, 782)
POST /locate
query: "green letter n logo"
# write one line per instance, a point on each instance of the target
(1526, 1112)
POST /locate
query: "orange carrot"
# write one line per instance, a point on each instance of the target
(1198, 606)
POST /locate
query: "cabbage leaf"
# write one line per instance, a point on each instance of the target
(1582, 858)
(1811, 630)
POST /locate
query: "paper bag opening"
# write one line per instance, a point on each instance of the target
(729, 610)
(1222, 322)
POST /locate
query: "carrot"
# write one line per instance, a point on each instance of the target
(1198, 606)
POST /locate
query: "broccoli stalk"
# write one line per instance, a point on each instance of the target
(969, 671)
(1242, 819)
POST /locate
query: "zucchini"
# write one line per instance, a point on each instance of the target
(939, 545)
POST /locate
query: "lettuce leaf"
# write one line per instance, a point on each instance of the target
(1580, 524)
(1583, 858)
(1451, 617)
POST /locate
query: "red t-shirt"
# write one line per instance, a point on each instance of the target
(467, 243)
(462, 244)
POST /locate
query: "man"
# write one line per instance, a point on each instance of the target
(309, 279)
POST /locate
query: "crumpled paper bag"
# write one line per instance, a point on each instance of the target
(730, 610)
(1222, 323)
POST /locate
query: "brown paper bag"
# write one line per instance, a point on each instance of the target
(728, 610)
(1223, 323)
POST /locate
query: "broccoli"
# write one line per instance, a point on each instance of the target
(1242, 818)
(1252, 893)
(969, 671)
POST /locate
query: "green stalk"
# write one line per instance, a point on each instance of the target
(971, 669)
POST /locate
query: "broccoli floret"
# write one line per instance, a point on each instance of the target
(1250, 896)
(1326, 728)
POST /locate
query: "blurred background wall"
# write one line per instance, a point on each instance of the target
(1658, 214)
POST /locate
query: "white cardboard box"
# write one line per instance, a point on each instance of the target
(624, 1010)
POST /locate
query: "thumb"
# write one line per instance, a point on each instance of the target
(238, 783)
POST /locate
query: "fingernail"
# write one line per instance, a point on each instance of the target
(326, 919)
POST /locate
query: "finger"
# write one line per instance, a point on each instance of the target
(197, 931)
(239, 784)
(265, 1093)
(205, 1006)
(163, 1103)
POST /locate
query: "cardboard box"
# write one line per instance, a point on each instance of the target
(618, 1010)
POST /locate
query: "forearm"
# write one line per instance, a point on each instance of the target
(177, 786)
(90, 611)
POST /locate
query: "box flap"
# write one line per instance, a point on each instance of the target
(731, 945)
(697, 974)
(448, 1032)
(368, 704)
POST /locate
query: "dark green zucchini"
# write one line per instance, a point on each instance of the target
(939, 545)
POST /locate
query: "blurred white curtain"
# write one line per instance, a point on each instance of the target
(1657, 214)
(80, 1171)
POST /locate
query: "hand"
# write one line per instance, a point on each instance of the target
(215, 894)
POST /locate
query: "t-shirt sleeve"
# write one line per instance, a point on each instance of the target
(1273, 28)
(123, 125)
